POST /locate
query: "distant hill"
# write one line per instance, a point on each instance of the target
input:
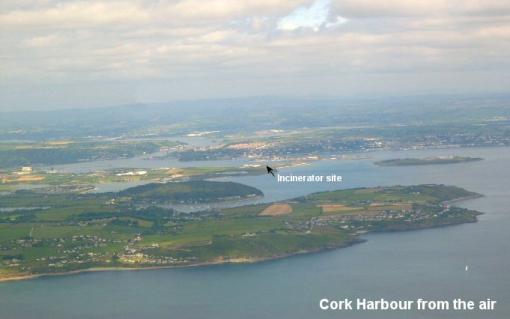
(427, 161)
(249, 114)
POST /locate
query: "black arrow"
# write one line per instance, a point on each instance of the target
(270, 170)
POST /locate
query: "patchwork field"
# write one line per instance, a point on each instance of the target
(338, 208)
(276, 210)
(44, 233)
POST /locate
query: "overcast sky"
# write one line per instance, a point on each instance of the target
(57, 54)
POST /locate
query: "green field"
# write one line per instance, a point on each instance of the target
(77, 182)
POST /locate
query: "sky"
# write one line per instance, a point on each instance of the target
(64, 54)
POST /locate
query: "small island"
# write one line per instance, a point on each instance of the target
(438, 160)
(62, 233)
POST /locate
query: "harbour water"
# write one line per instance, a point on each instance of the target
(429, 264)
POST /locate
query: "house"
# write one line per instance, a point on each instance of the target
(26, 169)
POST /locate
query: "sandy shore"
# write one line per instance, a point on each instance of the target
(18, 277)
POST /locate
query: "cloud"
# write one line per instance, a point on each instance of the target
(51, 42)
(74, 14)
(417, 8)
(232, 9)
(43, 41)
(126, 13)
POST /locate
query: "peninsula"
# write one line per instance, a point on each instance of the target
(58, 233)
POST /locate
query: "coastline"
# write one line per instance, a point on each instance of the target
(462, 199)
(218, 261)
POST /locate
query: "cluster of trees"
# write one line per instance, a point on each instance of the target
(189, 192)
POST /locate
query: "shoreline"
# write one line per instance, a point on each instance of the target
(218, 262)
(462, 199)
